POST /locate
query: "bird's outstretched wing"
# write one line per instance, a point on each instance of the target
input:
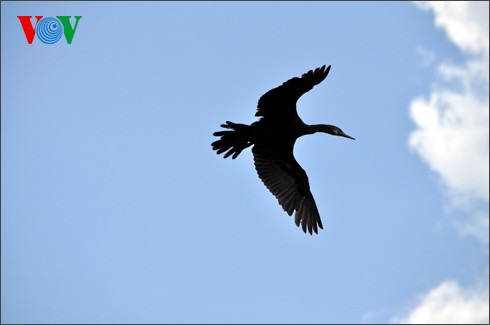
(281, 101)
(288, 182)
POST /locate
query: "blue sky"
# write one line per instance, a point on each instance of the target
(116, 210)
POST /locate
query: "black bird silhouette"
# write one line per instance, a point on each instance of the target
(273, 137)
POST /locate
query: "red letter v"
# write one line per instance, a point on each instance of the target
(29, 31)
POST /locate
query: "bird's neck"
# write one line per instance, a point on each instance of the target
(325, 128)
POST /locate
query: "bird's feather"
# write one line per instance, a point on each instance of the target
(288, 182)
(281, 101)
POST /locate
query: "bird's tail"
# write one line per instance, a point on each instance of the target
(234, 140)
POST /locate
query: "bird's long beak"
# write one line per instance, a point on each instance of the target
(347, 136)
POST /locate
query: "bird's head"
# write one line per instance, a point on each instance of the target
(330, 129)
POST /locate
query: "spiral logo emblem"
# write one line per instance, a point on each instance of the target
(49, 30)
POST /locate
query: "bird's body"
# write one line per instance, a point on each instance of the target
(273, 137)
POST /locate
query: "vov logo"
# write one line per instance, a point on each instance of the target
(49, 29)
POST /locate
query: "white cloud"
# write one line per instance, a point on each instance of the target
(426, 56)
(452, 138)
(477, 226)
(453, 122)
(448, 303)
(465, 22)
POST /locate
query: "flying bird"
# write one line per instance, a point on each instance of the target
(273, 137)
